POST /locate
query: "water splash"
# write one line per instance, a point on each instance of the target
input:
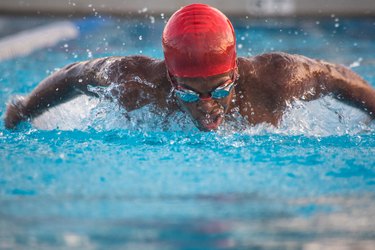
(356, 63)
(324, 117)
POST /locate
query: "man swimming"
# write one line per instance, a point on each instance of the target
(206, 77)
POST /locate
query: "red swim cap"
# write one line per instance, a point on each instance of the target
(199, 41)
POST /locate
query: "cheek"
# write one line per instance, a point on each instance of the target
(187, 107)
(225, 103)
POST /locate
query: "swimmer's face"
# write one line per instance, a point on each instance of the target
(207, 112)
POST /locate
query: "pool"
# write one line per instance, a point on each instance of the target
(91, 179)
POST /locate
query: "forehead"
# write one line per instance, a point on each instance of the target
(203, 83)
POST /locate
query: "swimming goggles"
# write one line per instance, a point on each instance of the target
(188, 95)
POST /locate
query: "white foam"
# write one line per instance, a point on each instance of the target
(68, 116)
(323, 117)
(26, 42)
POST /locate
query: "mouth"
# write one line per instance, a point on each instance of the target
(214, 124)
(208, 124)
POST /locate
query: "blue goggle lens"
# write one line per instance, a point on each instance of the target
(222, 92)
(187, 95)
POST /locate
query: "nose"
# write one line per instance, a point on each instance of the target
(207, 105)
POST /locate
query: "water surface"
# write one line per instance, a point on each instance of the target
(92, 179)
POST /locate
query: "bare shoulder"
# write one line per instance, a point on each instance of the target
(267, 71)
(280, 70)
(275, 77)
(290, 70)
(139, 80)
(278, 62)
(119, 70)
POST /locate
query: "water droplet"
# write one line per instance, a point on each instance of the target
(89, 53)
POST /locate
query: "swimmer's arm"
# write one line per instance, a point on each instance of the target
(348, 87)
(58, 88)
(308, 79)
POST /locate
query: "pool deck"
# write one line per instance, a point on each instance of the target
(251, 8)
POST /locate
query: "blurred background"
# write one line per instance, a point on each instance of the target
(19, 18)
(237, 7)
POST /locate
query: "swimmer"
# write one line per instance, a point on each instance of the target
(206, 78)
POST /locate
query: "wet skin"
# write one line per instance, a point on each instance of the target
(266, 84)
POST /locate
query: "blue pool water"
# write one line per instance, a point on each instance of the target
(91, 179)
